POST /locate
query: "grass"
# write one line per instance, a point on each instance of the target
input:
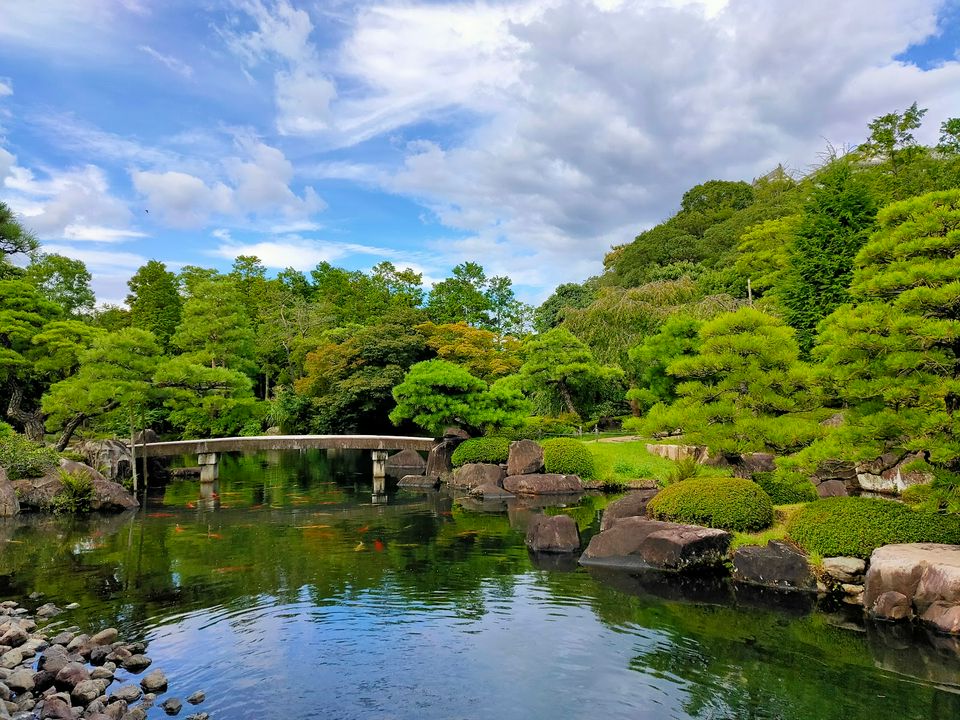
(628, 464)
(778, 531)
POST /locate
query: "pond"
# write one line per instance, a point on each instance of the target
(292, 595)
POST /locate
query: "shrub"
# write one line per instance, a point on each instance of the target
(537, 426)
(684, 469)
(23, 458)
(481, 450)
(77, 493)
(729, 503)
(856, 526)
(568, 457)
(786, 488)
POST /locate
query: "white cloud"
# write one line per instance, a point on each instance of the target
(172, 63)
(181, 199)
(6, 87)
(98, 233)
(296, 252)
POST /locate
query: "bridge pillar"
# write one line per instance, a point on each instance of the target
(379, 464)
(209, 467)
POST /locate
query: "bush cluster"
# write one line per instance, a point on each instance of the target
(857, 526)
(23, 458)
(568, 457)
(77, 493)
(728, 503)
(481, 450)
(786, 488)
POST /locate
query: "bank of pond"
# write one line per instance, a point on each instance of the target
(296, 591)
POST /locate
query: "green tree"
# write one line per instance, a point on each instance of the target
(558, 365)
(216, 330)
(154, 301)
(476, 349)
(461, 298)
(891, 136)
(949, 137)
(62, 280)
(567, 295)
(14, 239)
(744, 391)
(837, 219)
(892, 353)
(113, 381)
(764, 253)
(401, 288)
(436, 394)
(651, 383)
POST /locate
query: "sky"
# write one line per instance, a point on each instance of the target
(529, 136)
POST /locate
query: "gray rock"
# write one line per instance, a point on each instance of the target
(11, 658)
(105, 637)
(542, 484)
(419, 481)
(20, 681)
(63, 638)
(127, 693)
(633, 504)
(43, 679)
(526, 457)
(198, 697)
(53, 659)
(56, 708)
(136, 663)
(553, 534)
(439, 461)
(406, 462)
(116, 708)
(154, 681)
(635, 542)
(71, 606)
(78, 642)
(137, 713)
(775, 565)
(199, 716)
(71, 675)
(490, 491)
(101, 673)
(172, 706)
(4, 691)
(86, 692)
(9, 504)
(844, 569)
(473, 475)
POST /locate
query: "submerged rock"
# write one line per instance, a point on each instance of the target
(419, 481)
(198, 697)
(172, 706)
(553, 534)
(775, 565)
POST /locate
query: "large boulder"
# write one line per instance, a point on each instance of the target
(9, 505)
(526, 457)
(418, 481)
(553, 534)
(921, 579)
(835, 478)
(38, 493)
(890, 474)
(111, 455)
(543, 484)
(775, 565)
(679, 452)
(439, 461)
(406, 462)
(473, 475)
(632, 505)
(637, 542)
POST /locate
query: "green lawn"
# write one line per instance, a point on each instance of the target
(627, 463)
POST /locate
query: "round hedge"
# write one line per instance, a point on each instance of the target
(568, 457)
(728, 503)
(481, 450)
(856, 526)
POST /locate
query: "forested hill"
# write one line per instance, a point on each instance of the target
(746, 319)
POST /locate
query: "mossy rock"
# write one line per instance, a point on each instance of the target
(565, 456)
(728, 503)
(856, 526)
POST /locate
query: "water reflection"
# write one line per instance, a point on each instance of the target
(290, 594)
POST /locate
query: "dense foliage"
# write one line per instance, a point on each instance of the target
(482, 450)
(856, 526)
(786, 488)
(728, 503)
(23, 458)
(567, 456)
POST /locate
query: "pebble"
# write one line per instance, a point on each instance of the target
(172, 706)
(127, 693)
(105, 637)
(136, 663)
(154, 681)
(48, 610)
(71, 606)
(198, 697)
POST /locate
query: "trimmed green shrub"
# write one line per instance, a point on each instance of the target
(568, 457)
(23, 458)
(857, 526)
(728, 503)
(536, 426)
(786, 488)
(481, 450)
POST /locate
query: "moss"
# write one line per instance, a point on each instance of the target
(568, 457)
(481, 450)
(729, 503)
(857, 526)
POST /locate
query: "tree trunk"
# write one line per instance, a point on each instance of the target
(567, 398)
(68, 431)
(32, 421)
(133, 453)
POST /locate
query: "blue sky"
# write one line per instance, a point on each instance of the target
(529, 136)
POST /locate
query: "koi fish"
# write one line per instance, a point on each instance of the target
(191, 505)
(364, 529)
(177, 528)
(359, 546)
(214, 536)
(378, 545)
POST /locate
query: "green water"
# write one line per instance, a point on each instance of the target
(292, 595)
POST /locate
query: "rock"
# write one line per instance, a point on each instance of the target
(56, 708)
(9, 505)
(154, 681)
(632, 505)
(679, 452)
(105, 637)
(553, 534)
(5, 692)
(63, 638)
(844, 569)
(14, 637)
(835, 478)
(406, 462)
(473, 475)
(86, 692)
(888, 474)
(137, 713)
(116, 708)
(526, 457)
(775, 565)
(172, 706)
(20, 681)
(11, 658)
(53, 659)
(43, 679)
(71, 675)
(198, 697)
(127, 693)
(136, 663)
(489, 491)
(101, 673)
(99, 654)
(199, 716)
(114, 455)
(927, 575)
(78, 642)
(544, 484)
(832, 488)
(640, 542)
(119, 655)
(47, 610)
(439, 461)
(419, 481)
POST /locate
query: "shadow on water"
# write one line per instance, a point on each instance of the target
(291, 594)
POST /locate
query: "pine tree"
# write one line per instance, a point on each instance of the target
(215, 329)
(154, 301)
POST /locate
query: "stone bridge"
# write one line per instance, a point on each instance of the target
(208, 451)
